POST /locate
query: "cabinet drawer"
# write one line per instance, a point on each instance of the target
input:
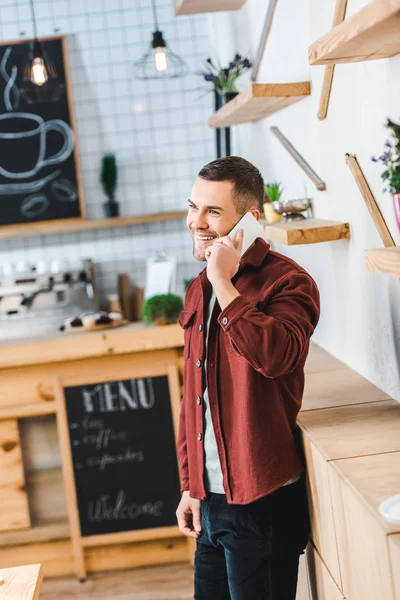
(362, 545)
(321, 583)
(323, 532)
(394, 552)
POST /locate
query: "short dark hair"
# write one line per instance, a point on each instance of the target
(248, 184)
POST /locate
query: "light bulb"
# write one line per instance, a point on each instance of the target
(160, 57)
(39, 72)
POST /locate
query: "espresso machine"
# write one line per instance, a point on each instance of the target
(36, 299)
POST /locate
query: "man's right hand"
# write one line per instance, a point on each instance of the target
(188, 515)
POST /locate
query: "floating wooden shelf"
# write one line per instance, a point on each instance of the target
(46, 228)
(309, 231)
(258, 101)
(371, 33)
(192, 7)
(384, 260)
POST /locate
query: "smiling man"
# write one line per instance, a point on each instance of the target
(248, 318)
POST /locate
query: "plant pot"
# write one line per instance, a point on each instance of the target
(396, 206)
(164, 320)
(111, 209)
(229, 96)
(270, 215)
(222, 99)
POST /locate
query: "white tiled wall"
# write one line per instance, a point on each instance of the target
(158, 129)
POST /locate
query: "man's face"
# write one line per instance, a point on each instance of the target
(212, 213)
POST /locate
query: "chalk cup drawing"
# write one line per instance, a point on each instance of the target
(16, 140)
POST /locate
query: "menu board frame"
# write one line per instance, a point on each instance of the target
(80, 542)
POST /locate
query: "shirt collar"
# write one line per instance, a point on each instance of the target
(255, 254)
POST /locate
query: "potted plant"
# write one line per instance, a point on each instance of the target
(108, 179)
(273, 192)
(224, 79)
(162, 309)
(390, 159)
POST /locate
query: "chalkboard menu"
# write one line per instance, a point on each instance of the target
(124, 455)
(39, 168)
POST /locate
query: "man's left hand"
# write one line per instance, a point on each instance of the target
(224, 257)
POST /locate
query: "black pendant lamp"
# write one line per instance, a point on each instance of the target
(159, 62)
(40, 79)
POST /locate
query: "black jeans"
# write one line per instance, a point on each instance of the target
(251, 551)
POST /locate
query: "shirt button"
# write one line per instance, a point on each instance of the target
(224, 320)
(198, 363)
(201, 327)
(198, 400)
(199, 437)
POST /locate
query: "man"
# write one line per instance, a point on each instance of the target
(247, 322)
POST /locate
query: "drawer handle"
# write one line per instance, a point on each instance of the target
(46, 391)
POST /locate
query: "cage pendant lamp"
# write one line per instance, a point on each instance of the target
(39, 69)
(159, 62)
(40, 81)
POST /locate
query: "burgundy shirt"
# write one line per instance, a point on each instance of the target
(256, 351)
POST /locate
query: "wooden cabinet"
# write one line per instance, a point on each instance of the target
(353, 464)
(322, 586)
(14, 513)
(394, 553)
(362, 546)
(323, 532)
(33, 514)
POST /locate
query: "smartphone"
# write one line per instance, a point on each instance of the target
(252, 229)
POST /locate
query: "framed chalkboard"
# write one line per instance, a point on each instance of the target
(118, 443)
(40, 178)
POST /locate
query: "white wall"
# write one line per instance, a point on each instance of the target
(157, 129)
(360, 317)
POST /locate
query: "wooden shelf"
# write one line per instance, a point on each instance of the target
(308, 231)
(372, 33)
(47, 227)
(258, 101)
(193, 7)
(384, 260)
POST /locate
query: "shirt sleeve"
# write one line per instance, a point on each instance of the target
(273, 339)
(182, 449)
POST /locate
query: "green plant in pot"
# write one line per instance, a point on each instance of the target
(109, 173)
(390, 160)
(162, 309)
(224, 79)
(273, 193)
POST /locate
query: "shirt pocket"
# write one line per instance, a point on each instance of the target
(186, 320)
(232, 349)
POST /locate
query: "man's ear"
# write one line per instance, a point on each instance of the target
(256, 213)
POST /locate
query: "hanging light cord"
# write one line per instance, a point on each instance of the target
(154, 14)
(34, 20)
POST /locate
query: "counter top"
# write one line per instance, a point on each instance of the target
(361, 443)
(135, 337)
(375, 478)
(354, 430)
(331, 383)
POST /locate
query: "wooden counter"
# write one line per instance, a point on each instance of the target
(135, 337)
(35, 526)
(353, 464)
